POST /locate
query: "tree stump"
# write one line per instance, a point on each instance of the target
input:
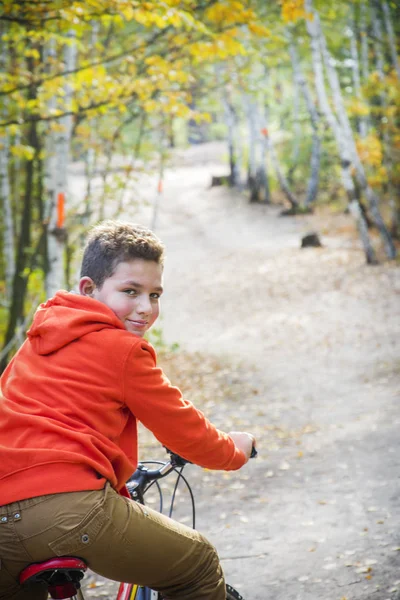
(217, 180)
(311, 240)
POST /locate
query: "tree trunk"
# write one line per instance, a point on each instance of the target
(262, 171)
(284, 185)
(231, 124)
(251, 112)
(364, 41)
(296, 130)
(313, 182)
(8, 225)
(362, 122)
(387, 146)
(23, 254)
(5, 193)
(57, 233)
(391, 36)
(372, 198)
(341, 142)
(91, 155)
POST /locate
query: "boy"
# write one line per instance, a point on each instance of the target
(69, 405)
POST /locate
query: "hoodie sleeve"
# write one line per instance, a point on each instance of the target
(174, 421)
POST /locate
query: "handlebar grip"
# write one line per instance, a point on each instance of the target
(176, 460)
(254, 452)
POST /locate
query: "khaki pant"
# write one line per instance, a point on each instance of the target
(118, 539)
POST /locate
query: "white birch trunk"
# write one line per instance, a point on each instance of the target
(378, 41)
(239, 154)
(387, 146)
(279, 174)
(349, 141)
(251, 113)
(5, 192)
(160, 185)
(263, 175)
(91, 158)
(362, 123)
(231, 124)
(296, 130)
(345, 157)
(302, 85)
(56, 239)
(283, 182)
(391, 36)
(364, 42)
(257, 178)
(8, 226)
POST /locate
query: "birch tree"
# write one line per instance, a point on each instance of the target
(339, 135)
(355, 68)
(57, 234)
(251, 115)
(231, 127)
(391, 36)
(387, 146)
(5, 192)
(345, 131)
(313, 182)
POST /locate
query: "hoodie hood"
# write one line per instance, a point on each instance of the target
(66, 317)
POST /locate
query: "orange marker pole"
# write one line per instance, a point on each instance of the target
(60, 210)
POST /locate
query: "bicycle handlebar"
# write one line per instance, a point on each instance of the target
(254, 452)
(143, 475)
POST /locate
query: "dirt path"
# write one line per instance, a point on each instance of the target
(302, 348)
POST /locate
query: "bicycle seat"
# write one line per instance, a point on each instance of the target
(61, 575)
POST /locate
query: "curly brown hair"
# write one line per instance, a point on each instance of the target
(113, 242)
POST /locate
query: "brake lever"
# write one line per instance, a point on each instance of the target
(176, 460)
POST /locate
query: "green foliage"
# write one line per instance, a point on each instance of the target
(152, 74)
(156, 338)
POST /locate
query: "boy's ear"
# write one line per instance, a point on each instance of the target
(86, 286)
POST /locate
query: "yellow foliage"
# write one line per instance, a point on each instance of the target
(357, 108)
(14, 129)
(32, 105)
(378, 177)
(222, 46)
(201, 117)
(259, 30)
(21, 151)
(32, 52)
(370, 150)
(396, 141)
(229, 12)
(292, 10)
(89, 77)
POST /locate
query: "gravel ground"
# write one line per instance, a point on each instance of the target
(300, 347)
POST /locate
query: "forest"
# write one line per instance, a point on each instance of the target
(306, 94)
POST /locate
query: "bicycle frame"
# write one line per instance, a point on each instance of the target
(130, 591)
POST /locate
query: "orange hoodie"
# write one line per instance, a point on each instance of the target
(71, 398)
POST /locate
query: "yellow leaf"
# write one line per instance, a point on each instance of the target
(21, 151)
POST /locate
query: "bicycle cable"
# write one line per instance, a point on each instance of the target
(180, 476)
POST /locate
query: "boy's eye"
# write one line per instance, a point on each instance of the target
(155, 295)
(130, 292)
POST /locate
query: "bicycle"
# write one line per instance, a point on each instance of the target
(63, 575)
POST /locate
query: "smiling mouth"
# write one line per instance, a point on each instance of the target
(137, 323)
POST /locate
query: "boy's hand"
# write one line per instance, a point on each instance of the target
(244, 441)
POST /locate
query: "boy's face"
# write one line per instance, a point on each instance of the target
(133, 293)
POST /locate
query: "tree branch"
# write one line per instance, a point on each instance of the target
(80, 69)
